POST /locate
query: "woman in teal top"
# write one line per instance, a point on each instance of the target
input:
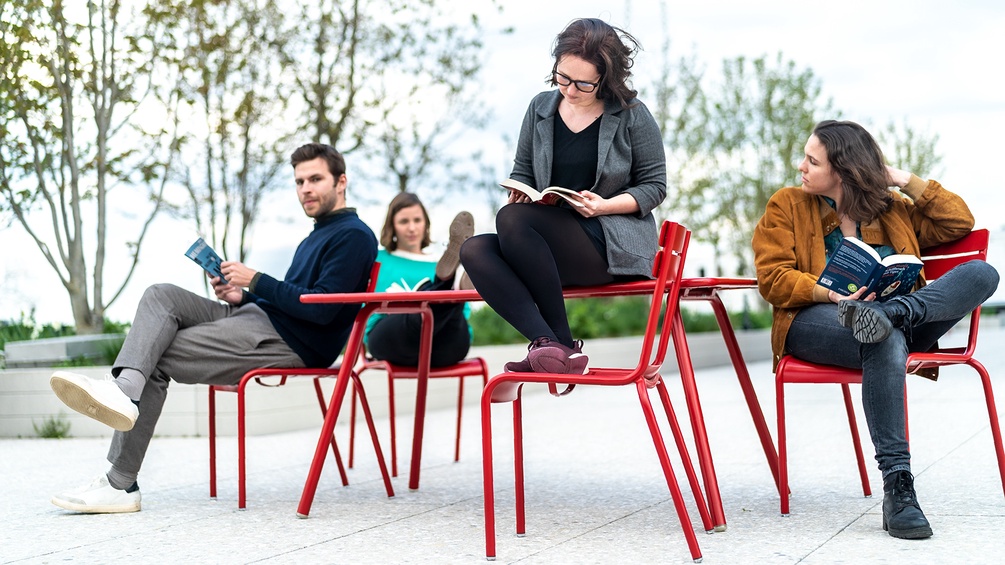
(405, 266)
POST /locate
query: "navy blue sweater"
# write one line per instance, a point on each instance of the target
(336, 257)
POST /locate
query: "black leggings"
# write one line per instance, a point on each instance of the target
(395, 337)
(521, 269)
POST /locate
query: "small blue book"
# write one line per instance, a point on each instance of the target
(856, 264)
(203, 254)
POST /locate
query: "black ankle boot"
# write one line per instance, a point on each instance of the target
(902, 517)
(872, 322)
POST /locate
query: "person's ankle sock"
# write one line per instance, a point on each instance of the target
(122, 481)
(131, 383)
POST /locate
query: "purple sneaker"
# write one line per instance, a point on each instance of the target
(524, 366)
(553, 357)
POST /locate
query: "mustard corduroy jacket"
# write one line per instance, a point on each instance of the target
(788, 242)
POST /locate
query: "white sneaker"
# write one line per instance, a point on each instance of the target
(99, 399)
(99, 497)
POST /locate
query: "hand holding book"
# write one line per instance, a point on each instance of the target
(857, 265)
(549, 195)
(207, 258)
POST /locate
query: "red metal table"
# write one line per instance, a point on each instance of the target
(704, 289)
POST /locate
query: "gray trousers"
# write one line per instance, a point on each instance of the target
(182, 336)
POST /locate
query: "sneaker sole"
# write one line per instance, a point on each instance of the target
(80, 400)
(85, 509)
(461, 229)
(867, 325)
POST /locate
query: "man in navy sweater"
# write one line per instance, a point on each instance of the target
(258, 321)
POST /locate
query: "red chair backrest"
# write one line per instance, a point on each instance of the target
(374, 271)
(941, 258)
(668, 268)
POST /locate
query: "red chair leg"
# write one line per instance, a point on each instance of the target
(743, 376)
(783, 464)
(518, 478)
(996, 434)
(675, 493)
(352, 426)
(212, 441)
(373, 434)
(324, 409)
(692, 476)
(460, 408)
(704, 452)
(488, 484)
(391, 415)
(241, 476)
(855, 440)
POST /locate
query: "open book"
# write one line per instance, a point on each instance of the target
(856, 264)
(546, 196)
(203, 254)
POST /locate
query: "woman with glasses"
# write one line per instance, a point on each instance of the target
(594, 136)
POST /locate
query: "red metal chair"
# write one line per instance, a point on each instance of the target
(507, 387)
(284, 374)
(938, 260)
(467, 368)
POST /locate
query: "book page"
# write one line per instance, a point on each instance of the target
(569, 195)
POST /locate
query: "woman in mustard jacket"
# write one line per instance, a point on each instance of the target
(846, 192)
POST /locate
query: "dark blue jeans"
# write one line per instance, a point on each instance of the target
(816, 336)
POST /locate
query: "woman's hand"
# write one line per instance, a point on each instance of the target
(897, 177)
(593, 204)
(515, 197)
(596, 205)
(857, 295)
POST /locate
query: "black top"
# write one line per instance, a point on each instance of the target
(574, 166)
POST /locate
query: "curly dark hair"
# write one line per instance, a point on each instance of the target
(399, 202)
(610, 49)
(857, 159)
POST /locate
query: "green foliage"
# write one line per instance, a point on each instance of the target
(71, 83)
(26, 328)
(53, 427)
(905, 148)
(758, 120)
(608, 317)
(490, 329)
(738, 141)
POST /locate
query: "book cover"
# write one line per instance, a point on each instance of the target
(856, 264)
(546, 196)
(207, 258)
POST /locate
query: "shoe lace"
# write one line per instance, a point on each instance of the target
(903, 489)
(539, 342)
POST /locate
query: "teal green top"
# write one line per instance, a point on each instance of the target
(404, 271)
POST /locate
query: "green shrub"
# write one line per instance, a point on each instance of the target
(26, 328)
(609, 317)
(53, 427)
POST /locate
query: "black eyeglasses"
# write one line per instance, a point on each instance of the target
(581, 85)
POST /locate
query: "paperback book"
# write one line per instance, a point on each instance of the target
(856, 264)
(207, 258)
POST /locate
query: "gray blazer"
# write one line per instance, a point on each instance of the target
(630, 158)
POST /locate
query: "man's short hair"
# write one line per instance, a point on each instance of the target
(311, 151)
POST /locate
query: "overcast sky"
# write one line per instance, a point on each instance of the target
(936, 65)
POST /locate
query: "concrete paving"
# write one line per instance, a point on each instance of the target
(595, 493)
